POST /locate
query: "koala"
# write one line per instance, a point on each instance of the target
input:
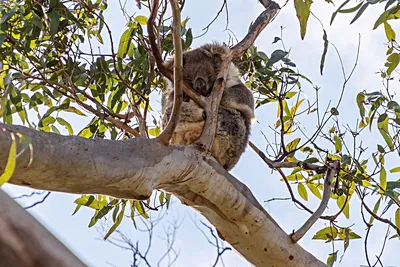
(200, 69)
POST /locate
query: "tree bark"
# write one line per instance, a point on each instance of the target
(25, 242)
(133, 169)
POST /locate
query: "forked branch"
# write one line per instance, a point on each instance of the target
(333, 169)
(207, 137)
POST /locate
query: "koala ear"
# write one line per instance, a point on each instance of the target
(169, 64)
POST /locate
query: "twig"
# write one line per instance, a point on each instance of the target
(275, 165)
(169, 130)
(332, 171)
(378, 217)
(38, 202)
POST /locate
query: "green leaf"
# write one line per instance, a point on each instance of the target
(338, 144)
(387, 15)
(140, 209)
(331, 259)
(334, 112)
(327, 233)
(154, 131)
(360, 104)
(276, 56)
(76, 209)
(124, 43)
(117, 222)
(394, 170)
(314, 189)
(7, 15)
(168, 197)
(382, 180)
(350, 10)
(326, 43)
(335, 13)
(11, 161)
(383, 123)
(359, 13)
(392, 62)
(390, 34)
(141, 20)
(54, 17)
(303, 12)
(302, 191)
(376, 208)
(276, 39)
(293, 145)
(161, 198)
(294, 109)
(397, 218)
(189, 38)
(341, 201)
(90, 201)
(66, 125)
(4, 99)
(381, 149)
(295, 177)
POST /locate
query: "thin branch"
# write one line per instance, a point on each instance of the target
(332, 171)
(169, 130)
(261, 22)
(38, 202)
(286, 164)
(387, 221)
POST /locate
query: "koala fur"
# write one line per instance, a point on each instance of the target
(200, 69)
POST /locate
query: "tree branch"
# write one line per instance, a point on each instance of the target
(286, 164)
(206, 139)
(199, 99)
(25, 242)
(333, 169)
(169, 130)
(134, 168)
(256, 28)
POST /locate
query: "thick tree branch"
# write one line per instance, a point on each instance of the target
(333, 169)
(25, 242)
(169, 130)
(134, 168)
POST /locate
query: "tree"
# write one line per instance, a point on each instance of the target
(46, 71)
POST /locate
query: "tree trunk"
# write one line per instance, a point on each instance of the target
(25, 242)
(133, 169)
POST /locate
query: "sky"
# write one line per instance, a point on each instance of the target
(190, 242)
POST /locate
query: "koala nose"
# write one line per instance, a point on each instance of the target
(200, 86)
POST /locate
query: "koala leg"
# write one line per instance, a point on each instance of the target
(190, 125)
(231, 138)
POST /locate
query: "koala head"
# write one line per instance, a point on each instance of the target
(201, 66)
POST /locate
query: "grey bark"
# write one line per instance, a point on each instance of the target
(133, 169)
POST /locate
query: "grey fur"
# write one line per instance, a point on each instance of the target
(234, 115)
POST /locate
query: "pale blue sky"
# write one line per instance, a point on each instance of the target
(192, 246)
